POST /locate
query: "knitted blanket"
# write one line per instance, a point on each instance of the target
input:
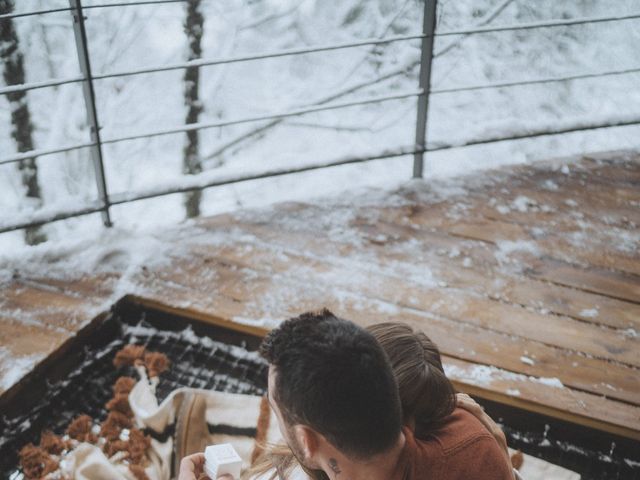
(185, 422)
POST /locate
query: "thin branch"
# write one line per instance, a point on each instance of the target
(400, 116)
(51, 65)
(485, 21)
(337, 128)
(374, 47)
(271, 17)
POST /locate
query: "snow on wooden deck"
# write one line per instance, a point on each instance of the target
(527, 277)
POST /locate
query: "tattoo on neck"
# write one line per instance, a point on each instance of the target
(333, 463)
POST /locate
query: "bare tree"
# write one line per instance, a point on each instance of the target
(192, 165)
(22, 128)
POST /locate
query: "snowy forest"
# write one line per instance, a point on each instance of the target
(124, 38)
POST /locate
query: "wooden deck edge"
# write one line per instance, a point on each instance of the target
(547, 410)
(628, 154)
(480, 392)
(197, 315)
(58, 353)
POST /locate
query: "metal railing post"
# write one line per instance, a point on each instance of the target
(90, 103)
(426, 58)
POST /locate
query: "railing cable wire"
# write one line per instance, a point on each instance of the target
(196, 182)
(211, 62)
(257, 118)
(87, 7)
(535, 25)
(579, 76)
(43, 152)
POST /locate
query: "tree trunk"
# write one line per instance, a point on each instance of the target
(192, 164)
(22, 128)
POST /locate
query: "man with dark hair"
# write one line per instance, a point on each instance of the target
(334, 393)
(335, 397)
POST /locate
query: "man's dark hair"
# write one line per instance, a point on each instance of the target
(334, 377)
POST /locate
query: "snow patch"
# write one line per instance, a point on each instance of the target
(527, 360)
(15, 367)
(552, 382)
(589, 313)
(507, 247)
(483, 375)
(523, 203)
(502, 209)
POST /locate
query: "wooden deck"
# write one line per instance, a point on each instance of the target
(528, 278)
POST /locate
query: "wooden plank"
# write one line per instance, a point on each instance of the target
(26, 344)
(619, 168)
(23, 339)
(552, 245)
(269, 296)
(573, 406)
(562, 237)
(532, 293)
(612, 284)
(446, 258)
(528, 183)
(36, 304)
(567, 214)
(206, 317)
(588, 171)
(574, 303)
(95, 287)
(572, 203)
(451, 303)
(596, 180)
(609, 283)
(591, 196)
(448, 344)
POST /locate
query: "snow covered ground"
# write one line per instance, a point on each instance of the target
(131, 37)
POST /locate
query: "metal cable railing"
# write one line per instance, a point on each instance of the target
(204, 125)
(87, 7)
(210, 62)
(25, 87)
(293, 51)
(261, 56)
(44, 152)
(270, 116)
(537, 81)
(541, 24)
(204, 180)
(10, 16)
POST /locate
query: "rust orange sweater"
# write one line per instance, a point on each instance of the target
(462, 449)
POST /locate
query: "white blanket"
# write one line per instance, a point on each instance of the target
(88, 462)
